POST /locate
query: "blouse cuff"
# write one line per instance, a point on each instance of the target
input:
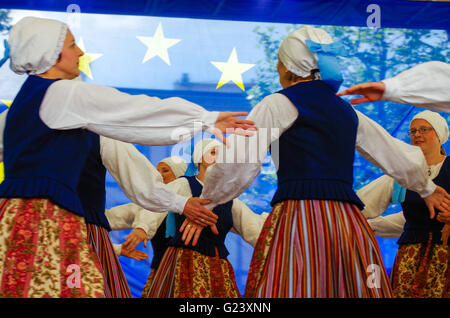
(209, 120)
(179, 203)
(117, 249)
(429, 189)
(391, 92)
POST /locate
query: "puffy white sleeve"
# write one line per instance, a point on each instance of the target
(389, 226)
(138, 119)
(238, 164)
(2, 128)
(138, 178)
(132, 216)
(403, 162)
(425, 85)
(376, 196)
(247, 223)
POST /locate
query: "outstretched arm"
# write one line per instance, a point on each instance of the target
(425, 85)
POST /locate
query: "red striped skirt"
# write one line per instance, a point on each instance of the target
(313, 248)
(421, 271)
(116, 285)
(184, 273)
(44, 252)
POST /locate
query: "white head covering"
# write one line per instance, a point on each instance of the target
(295, 55)
(438, 122)
(35, 44)
(203, 147)
(177, 164)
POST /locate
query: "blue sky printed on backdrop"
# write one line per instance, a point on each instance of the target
(210, 62)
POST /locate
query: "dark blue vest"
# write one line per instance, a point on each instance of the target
(208, 242)
(91, 188)
(316, 153)
(41, 162)
(418, 224)
(159, 244)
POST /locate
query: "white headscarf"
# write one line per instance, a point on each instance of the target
(203, 147)
(35, 44)
(177, 164)
(295, 55)
(438, 122)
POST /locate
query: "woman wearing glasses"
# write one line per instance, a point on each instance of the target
(421, 267)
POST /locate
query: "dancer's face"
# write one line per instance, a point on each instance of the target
(283, 74)
(209, 158)
(166, 172)
(428, 140)
(68, 62)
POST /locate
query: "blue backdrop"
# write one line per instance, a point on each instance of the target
(120, 53)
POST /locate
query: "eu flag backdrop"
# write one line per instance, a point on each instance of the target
(220, 65)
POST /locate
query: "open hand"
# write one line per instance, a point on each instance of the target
(195, 211)
(439, 199)
(134, 254)
(133, 239)
(372, 92)
(227, 122)
(192, 231)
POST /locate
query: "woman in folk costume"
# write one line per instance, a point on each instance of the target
(200, 268)
(422, 264)
(315, 242)
(47, 141)
(129, 216)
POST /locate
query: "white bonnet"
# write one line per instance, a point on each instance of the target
(35, 44)
(295, 55)
(177, 164)
(438, 122)
(203, 147)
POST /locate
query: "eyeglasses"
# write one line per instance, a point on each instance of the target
(421, 130)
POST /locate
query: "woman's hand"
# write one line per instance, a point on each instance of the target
(192, 231)
(372, 92)
(133, 239)
(228, 123)
(134, 254)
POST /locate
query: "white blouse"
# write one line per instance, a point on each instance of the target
(136, 176)
(246, 223)
(425, 85)
(226, 181)
(137, 119)
(377, 196)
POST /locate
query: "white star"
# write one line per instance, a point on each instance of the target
(157, 45)
(232, 70)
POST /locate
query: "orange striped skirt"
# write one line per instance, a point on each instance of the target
(116, 285)
(315, 248)
(44, 252)
(184, 273)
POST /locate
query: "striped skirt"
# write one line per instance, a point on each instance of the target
(313, 248)
(116, 285)
(44, 252)
(421, 271)
(184, 273)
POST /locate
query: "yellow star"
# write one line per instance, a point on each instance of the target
(6, 102)
(86, 59)
(157, 45)
(232, 70)
(2, 168)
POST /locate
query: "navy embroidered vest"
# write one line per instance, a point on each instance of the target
(208, 242)
(91, 188)
(41, 162)
(316, 153)
(419, 226)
